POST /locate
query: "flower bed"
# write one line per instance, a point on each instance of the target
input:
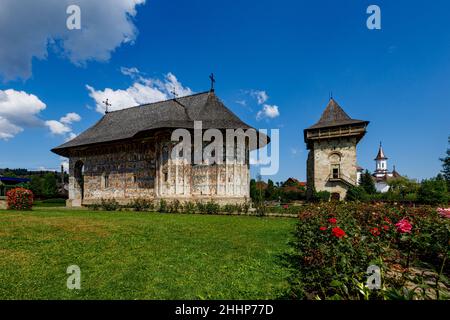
(335, 244)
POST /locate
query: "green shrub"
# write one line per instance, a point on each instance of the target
(228, 208)
(162, 206)
(110, 204)
(201, 208)
(246, 207)
(261, 208)
(323, 196)
(212, 208)
(356, 194)
(19, 199)
(189, 207)
(141, 204)
(174, 206)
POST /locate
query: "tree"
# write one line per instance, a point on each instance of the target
(433, 191)
(49, 187)
(446, 166)
(401, 187)
(367, 183)
(36, 185)
(356, 194)
(270, 192)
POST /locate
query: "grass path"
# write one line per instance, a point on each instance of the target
(128, 255)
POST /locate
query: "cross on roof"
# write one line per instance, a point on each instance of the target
(174, 92)
(107, 104)
(213, 81)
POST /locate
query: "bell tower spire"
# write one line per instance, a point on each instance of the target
(380, 162)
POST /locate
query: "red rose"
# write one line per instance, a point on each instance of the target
(332, 220)
(375, 231)
(338, 232)
(386, 228)
(323, 228)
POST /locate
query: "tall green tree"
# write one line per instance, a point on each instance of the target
(49, 187)
(36, 185)
(446, 166)
(270, 191)
(433, 191)
(367, 182)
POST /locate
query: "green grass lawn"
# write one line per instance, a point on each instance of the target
(130, 255)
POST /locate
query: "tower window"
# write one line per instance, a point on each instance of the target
(335, 173)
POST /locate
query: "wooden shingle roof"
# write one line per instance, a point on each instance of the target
(334, 115)
(174, 113)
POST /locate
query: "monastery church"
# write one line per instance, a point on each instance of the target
(126, 155)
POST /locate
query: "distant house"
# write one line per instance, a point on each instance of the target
(7, 183)
(292, 182)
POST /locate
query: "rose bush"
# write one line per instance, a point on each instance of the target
(19, 199)
(335, 243)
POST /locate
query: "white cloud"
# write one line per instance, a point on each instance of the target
(130, 71)
(8, 130)
(62, 127)
(57, 127)
(71, 136)
(65, 164)
(70, 118)
(241, 102)
(268, 111)
(30, 28)
(142, 91)
(259, 95)
(18, 109)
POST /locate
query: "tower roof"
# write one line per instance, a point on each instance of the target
(395, 174)
(380, 155)
(334, 115)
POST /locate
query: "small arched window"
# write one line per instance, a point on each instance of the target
(105, 180)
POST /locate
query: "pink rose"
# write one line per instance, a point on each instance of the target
(404, 226)
(445, 213)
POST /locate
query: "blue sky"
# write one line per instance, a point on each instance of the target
(398, 77)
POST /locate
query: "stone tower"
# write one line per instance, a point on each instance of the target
(331, 164)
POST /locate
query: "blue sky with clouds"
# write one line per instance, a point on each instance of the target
(296, 52)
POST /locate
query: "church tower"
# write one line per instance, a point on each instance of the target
(331, 164)
(380, 163)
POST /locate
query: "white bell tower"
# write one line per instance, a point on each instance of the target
(381, 163)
